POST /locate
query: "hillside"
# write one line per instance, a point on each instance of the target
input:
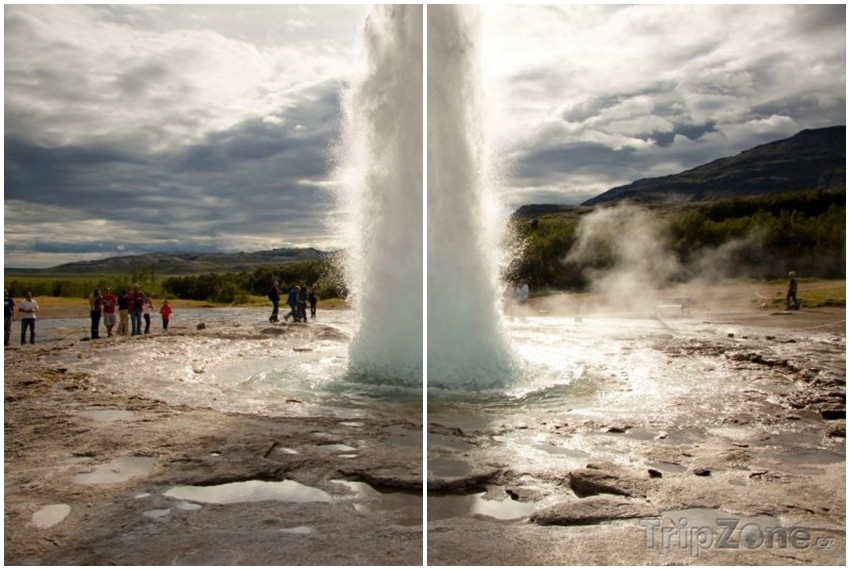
(811, 159)
(752, 237)
(182, 263)
(530, 211)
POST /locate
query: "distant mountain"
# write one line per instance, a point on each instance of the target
(181, 263)
(811, 159)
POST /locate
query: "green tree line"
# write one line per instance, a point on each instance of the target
(81, 286)
(221, 287)
(761, 237)
(237, 287)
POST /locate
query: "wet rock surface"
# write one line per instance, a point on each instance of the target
(609, 479)
(499, 474)
(54, 435)
(591, 511)
(692, 431)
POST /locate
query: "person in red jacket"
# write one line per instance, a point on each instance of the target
(165, 311)
(110, 303)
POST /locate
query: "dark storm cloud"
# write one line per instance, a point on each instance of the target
(300, 144)
(571, 157)
(544, 169)
(45, 175)
(812, 20)
(139, 79)
(143, 127)
(692, 132)
(593, 106)
(260, 177)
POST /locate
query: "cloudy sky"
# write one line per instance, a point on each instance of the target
(587, 98)
(138, 128)
(134, 128)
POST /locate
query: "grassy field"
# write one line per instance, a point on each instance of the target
(811, 293)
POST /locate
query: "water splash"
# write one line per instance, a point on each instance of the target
(466, 342)
(381, 172)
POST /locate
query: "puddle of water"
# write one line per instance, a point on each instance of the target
(117, 471)
(249, 492)
(450, 506)
(157, 513)
(50, 515)
(810, 457)
(352, 424)
(347, 455)
(106, 416)
(406, 506)
(185, 506)
(288, 450)
(298, 530)
(443, 467)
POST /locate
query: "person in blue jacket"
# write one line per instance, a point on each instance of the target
(292, 301)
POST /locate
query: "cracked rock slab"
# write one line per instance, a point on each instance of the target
(593, 510)
(609, 479)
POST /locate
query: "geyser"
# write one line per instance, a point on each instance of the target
(380, 173)
(466, 343)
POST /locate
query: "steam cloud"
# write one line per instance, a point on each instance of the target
(628, 260)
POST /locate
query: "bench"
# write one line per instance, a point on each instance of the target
(681, 303)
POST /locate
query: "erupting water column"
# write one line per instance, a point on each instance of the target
(381, 190)
(466, 344)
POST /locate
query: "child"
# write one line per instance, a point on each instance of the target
(165, 311)
(147, 308)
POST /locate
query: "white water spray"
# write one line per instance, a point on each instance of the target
(381, 171)
(466, 343)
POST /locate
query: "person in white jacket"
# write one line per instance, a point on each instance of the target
(27, 309)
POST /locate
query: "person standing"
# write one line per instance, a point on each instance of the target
(313, 298)
(301, 304)
(28, 308)
(8, 316)
(791, 297)
(110, 303)
(165, 311)
(291, 300)
(96, 306)
(522, 293)
(123, 312)
(146, 314)
(274, 297)
(137, 301)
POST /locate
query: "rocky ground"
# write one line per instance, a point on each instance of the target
(94, 475)
(729, 448)
(97, 475)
